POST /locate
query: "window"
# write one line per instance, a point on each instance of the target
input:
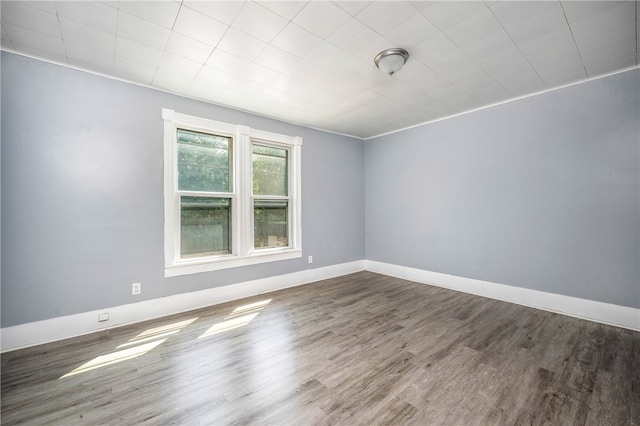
(232, 195)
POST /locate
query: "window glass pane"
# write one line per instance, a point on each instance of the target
(204, 162)
(270, 169)
(205, 226)
(270, 224)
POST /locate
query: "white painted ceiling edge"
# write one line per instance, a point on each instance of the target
(507, 101)
(326, 130)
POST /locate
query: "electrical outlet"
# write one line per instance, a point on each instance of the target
(136, 288)
(104, 316)
(310, 259)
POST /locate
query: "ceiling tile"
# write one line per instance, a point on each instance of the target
(161, 13)
(214, 76)
(356, 69)
(138, 52)
(520, 79)
(544, 21)
(25, 16)
(434, 48)
(234, 65)
(488, 91)
(412, 32)
(89, 55)
(435, 109)
(171, 80)
(452, 65)
(455, 98)
(326, 55)
(295, 40)
(179, 64)
(276, 59)
(488, 46)
(241, 44)
(352, 36)
(209, 89)
(514, 12)
(496, 63)
(141, 31)
(227, 62)
(609, 67)
(383, 16)
(6, 42)
(38, 52)
(445, 15)
(79, 63)
(87, 36)
(321, 18)
(555, 41)
(605, 40)
(591, 27)
(304, 88)
(134, 70)
(576, 11)
(551, 68)
(420, 77)
(199, 27)
(90, 14)
(558, 79)
(318, 76)
(259, 22)
(188, 48)
(34, 40)
(352, 7)
(286, 9)
(223, 11)
(368, 52)
(47, 6)
(476, 27)
(593, 58)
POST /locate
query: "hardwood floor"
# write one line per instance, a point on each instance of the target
(359, 349)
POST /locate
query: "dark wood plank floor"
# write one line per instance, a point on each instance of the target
(359, 349)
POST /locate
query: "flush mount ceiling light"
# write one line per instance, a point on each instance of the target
(391, 60)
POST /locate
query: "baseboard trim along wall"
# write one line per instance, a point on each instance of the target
(36, 333)
(604, 313)
(40, 332)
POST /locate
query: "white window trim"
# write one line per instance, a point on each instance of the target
(242, 222)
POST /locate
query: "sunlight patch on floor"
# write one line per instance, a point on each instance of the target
(114, 357)
(138, 346)
(239, 317)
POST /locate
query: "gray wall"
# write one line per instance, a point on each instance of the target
(82, 209)
(541, 193)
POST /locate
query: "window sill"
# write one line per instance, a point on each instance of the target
(205, 265)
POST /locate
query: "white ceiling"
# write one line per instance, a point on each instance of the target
(311, 62)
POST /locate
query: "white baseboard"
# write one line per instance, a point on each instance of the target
(36, 333)
(605, 313)
(39, 332)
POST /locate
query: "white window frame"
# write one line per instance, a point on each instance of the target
(243, 252)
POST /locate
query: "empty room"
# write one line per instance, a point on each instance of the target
(320, 212)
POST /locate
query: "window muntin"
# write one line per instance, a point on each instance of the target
(232, 195)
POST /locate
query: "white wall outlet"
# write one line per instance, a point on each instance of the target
(136, 288)
(310, 259)
(104, 316)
